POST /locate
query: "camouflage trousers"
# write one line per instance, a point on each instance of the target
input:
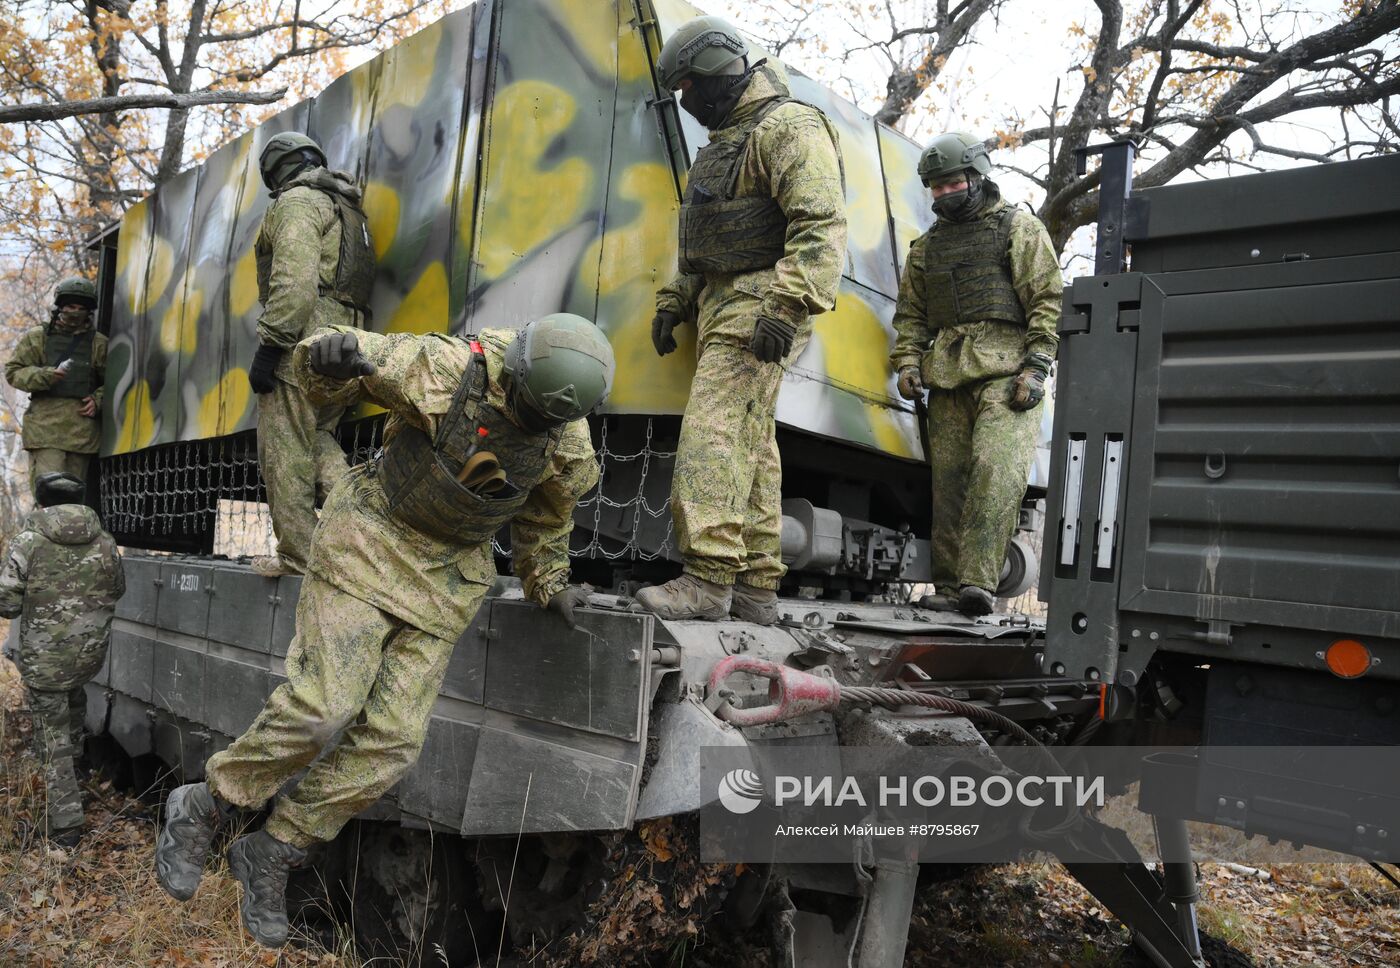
(351, 667)
(46, 460)
(58, 738)
(981, 452)
(300, 461)
(727, 492)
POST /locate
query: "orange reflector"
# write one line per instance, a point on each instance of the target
(1348, 658)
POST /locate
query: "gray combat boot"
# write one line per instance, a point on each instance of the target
(943, 600)
(756, 605)
(687, 597)
(260, 862)
(192, 816)
(975, 601)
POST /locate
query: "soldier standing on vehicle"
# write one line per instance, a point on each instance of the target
(975, 323)
(61, 578)
(762, 245)
(315, 268)
(480, 433)
(62, 366)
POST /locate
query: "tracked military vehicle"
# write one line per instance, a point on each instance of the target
(519, 158)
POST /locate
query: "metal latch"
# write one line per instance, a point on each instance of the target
(1217, 633)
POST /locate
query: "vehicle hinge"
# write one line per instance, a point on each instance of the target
(1217, 633)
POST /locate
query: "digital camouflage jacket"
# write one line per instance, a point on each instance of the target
(792, 157)
(952, 354)
(61, 578)
(363, 549)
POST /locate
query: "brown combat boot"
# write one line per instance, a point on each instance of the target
(687, 597)
(974, 601)
(756, 605)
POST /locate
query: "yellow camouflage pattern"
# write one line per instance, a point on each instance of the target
(350, 666)
(513, 165)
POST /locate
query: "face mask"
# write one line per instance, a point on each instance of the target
(956, 206)
(530, 420)
(710, 99)
(73, 318)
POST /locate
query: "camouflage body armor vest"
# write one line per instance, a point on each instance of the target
(419, 474)
(721, 233)
(354, 270)
(77, 347)
(967, 273)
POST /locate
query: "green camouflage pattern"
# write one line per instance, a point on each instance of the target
(980, 453)
(58, 742)
(350, 666)
(62, 578)
(557, 192)
(727, 492)
(53, 421)
(44, 460)
(300, 461)
(962, 353)
(429, 583)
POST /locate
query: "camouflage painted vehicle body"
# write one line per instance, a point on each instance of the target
(516, 162)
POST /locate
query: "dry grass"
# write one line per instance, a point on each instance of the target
(99, 904)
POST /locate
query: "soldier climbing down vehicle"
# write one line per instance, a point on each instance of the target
(480, 434)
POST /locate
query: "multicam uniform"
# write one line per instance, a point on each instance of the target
(58, 437)
(726, 495)
(384, 601)
(302, 283)
(976, 299)
(62, 578)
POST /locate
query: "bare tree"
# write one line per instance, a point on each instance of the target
(1188, 77)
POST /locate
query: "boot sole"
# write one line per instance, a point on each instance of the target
(166, 844)
(242, 873)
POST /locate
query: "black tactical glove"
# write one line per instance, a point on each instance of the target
(265, 360)
(911, 385)
(1029, 387)
(661, 325)
(338, 356)
(566, 600)
(772, 339)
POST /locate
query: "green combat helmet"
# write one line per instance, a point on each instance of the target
(705, 47)
(75, 289)
(560, 366)
(283, 155)
(951, 153)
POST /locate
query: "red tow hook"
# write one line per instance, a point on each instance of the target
(791, 692)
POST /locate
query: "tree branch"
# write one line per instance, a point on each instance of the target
(16, 113)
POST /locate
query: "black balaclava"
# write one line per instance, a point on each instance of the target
(290, 167)
(710, 99)
(963, 205)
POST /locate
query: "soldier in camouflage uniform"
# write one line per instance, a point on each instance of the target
(315, 268)
(61, 578)
(62, 366)
(479, 434)
(762, 245)
(975, 323)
